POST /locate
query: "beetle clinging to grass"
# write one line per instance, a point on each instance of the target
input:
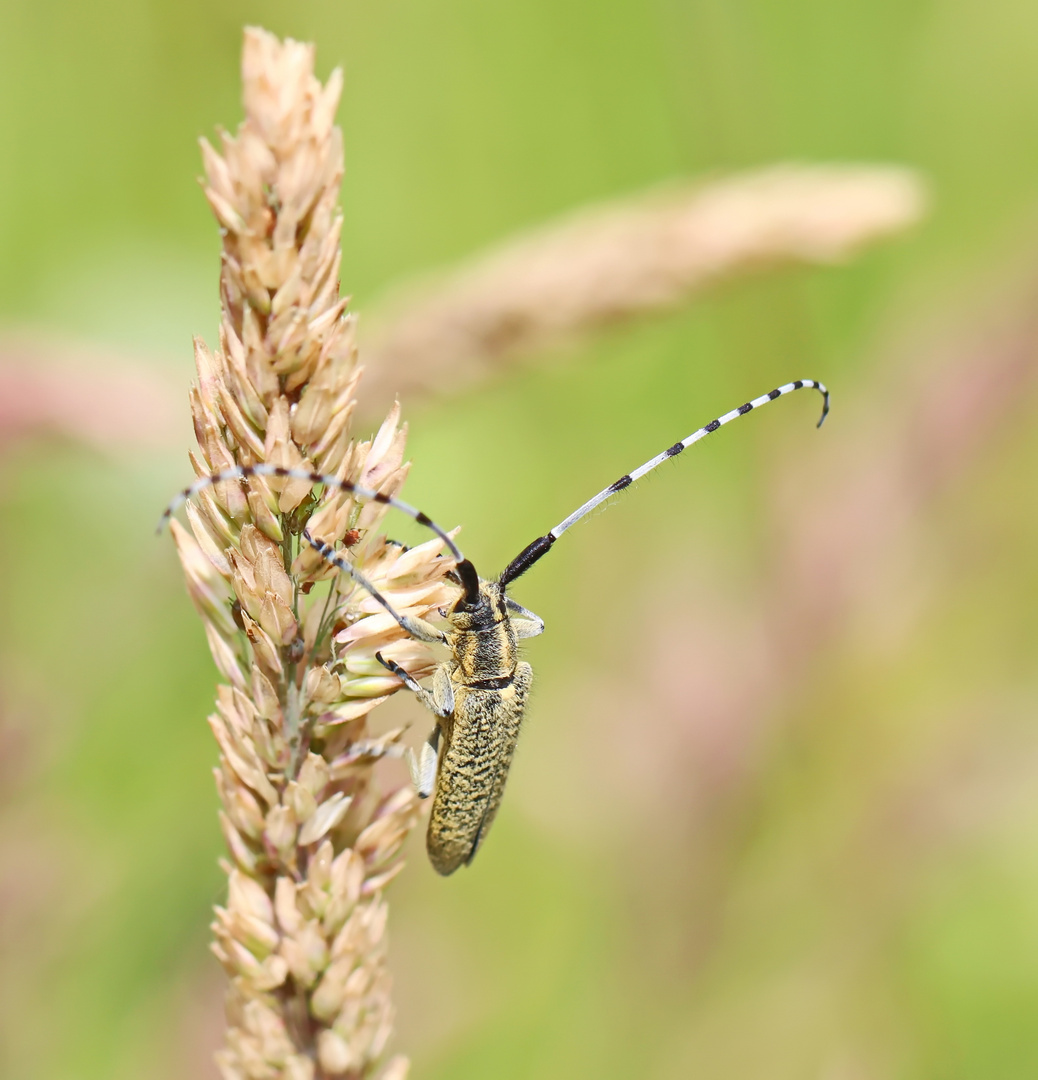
(478, 694)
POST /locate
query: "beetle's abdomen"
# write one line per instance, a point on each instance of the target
(474, 766)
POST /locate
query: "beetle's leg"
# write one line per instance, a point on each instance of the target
(423, 768)
(371, 750)
(421, 630)
(439, 701)
(416, 628)
(530, 625)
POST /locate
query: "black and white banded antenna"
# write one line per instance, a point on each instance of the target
(416, 628)
(540, 547)
(465, 570)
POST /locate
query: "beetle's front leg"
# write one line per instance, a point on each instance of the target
(530, 625)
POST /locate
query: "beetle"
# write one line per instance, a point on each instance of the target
(479, 693)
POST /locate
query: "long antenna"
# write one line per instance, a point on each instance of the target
(464, 569)
(532, 552)
(415, 628)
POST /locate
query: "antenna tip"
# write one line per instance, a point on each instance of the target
(824, 391)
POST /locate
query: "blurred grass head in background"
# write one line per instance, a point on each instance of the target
(779, 768)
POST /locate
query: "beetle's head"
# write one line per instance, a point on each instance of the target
(480, 603)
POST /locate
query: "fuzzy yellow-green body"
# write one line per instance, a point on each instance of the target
(490, 686)
(479, 741)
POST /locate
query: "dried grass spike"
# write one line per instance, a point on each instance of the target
(313, 840)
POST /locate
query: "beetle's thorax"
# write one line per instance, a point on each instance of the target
(484, 642)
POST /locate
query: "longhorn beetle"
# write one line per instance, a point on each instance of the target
(479, 694)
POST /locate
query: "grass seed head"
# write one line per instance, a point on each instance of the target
(312, 841)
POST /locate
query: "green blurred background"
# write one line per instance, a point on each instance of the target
(775, 813)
